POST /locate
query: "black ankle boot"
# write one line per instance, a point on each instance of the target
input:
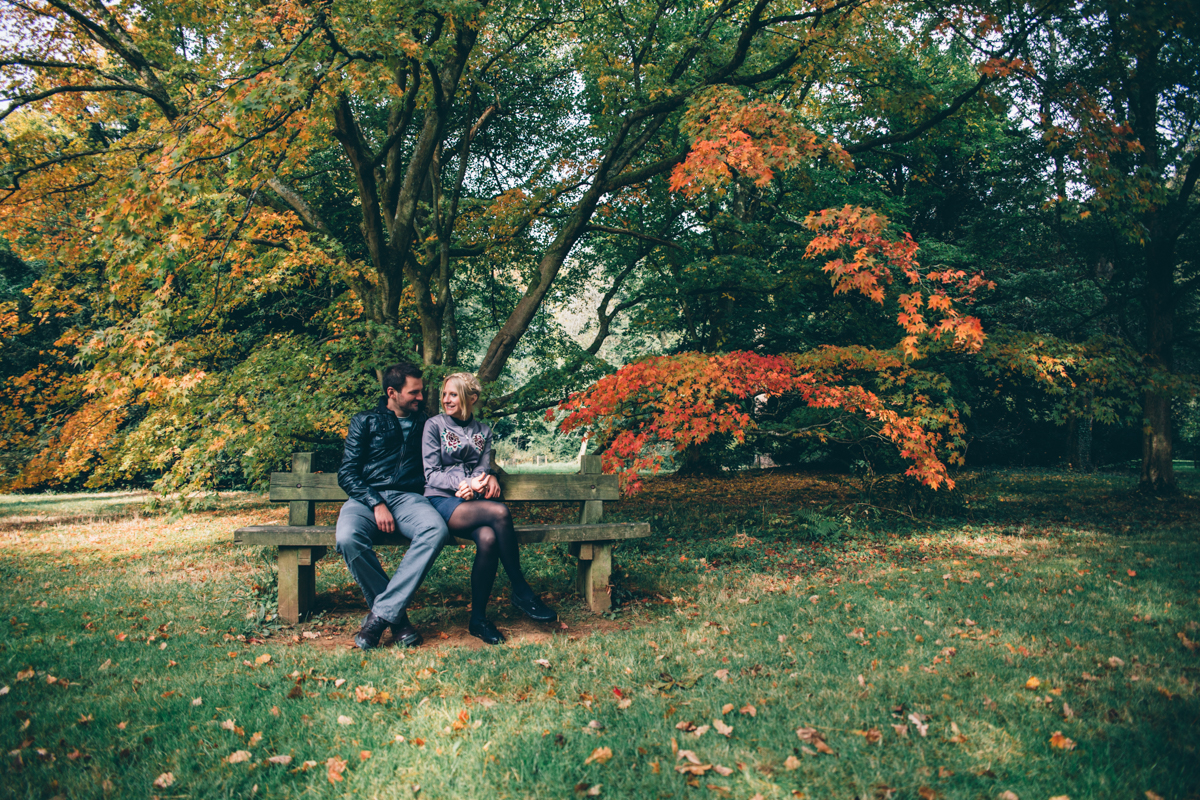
(404, 634)
(485, 630)
(372, 628)
(534, 608)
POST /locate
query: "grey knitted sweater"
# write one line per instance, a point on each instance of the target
(453, 452)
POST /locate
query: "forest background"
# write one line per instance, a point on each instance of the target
(891, 238)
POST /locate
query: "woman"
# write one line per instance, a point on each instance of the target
(457, 452)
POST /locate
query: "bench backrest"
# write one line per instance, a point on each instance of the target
(302, 488)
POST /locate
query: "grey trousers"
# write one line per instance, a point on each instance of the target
(417, 521)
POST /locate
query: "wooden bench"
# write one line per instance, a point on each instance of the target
(302, 543)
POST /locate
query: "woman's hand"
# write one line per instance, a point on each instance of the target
(465, 491)
(486, 485)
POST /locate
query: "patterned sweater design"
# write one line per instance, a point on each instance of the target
(453, 452)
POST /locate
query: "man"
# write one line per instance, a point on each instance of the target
(382, 473)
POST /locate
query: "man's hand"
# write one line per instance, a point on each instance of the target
(384, 519)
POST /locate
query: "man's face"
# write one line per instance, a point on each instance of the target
(409, 398)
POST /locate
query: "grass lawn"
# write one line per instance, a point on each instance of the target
(1036, 639)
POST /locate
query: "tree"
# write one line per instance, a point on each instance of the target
(319, 175)
(1116, 87)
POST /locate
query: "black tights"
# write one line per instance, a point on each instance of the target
(490, 525)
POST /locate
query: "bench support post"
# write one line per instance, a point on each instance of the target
(297, 581)
(595, 558)
(297, 565)
(592, 580)
(302, 512)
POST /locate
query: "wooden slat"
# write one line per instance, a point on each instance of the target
(316, 535)
(560, 487)
(323, 487)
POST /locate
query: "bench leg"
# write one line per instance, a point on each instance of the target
(297, 581)
(595, 568)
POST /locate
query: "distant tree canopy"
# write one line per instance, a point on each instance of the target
(223, 219)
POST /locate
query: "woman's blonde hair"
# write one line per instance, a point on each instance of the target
(468, 388)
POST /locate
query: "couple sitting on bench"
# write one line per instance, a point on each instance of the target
(427, 479)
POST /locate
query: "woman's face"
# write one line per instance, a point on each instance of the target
(452, 403)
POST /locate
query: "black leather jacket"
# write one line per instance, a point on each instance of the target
(378, 457)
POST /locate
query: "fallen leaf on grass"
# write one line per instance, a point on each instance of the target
(1153, 795)
(263, 659)
(722, 675)
(700, 731)
(344, 720)
(918, 721)
(228, 725)
(238, 756)
(1007, 795)
(813, 737)
(721, 728)
(600, 755)
(588, 790)
(1188, 643)
(25, 674)
(748, 710)
(255, 739)
(957, 737)
(1061, 797)
(1061, 742)
(364, 755)
(928, 793)
(334, 767)
(1032, 683)
(541, 662)
(901, 730)
(945, 773)
(688, 755)
(625, 702)
(283, 760)
(338, 683)
(873, 735)
(726, 771)
(164, 780)
(1115, 663)
(197, 701)
(307, 765)
(721, 790)
(791, 762)
(725, 709)
(693, 769)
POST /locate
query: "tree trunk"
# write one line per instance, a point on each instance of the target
(1079, 440)
(696, 460)
(1158, 474)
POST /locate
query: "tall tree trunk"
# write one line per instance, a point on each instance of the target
(1158, 474)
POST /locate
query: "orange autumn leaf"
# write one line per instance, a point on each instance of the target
(1061, 742)
(334, 767)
